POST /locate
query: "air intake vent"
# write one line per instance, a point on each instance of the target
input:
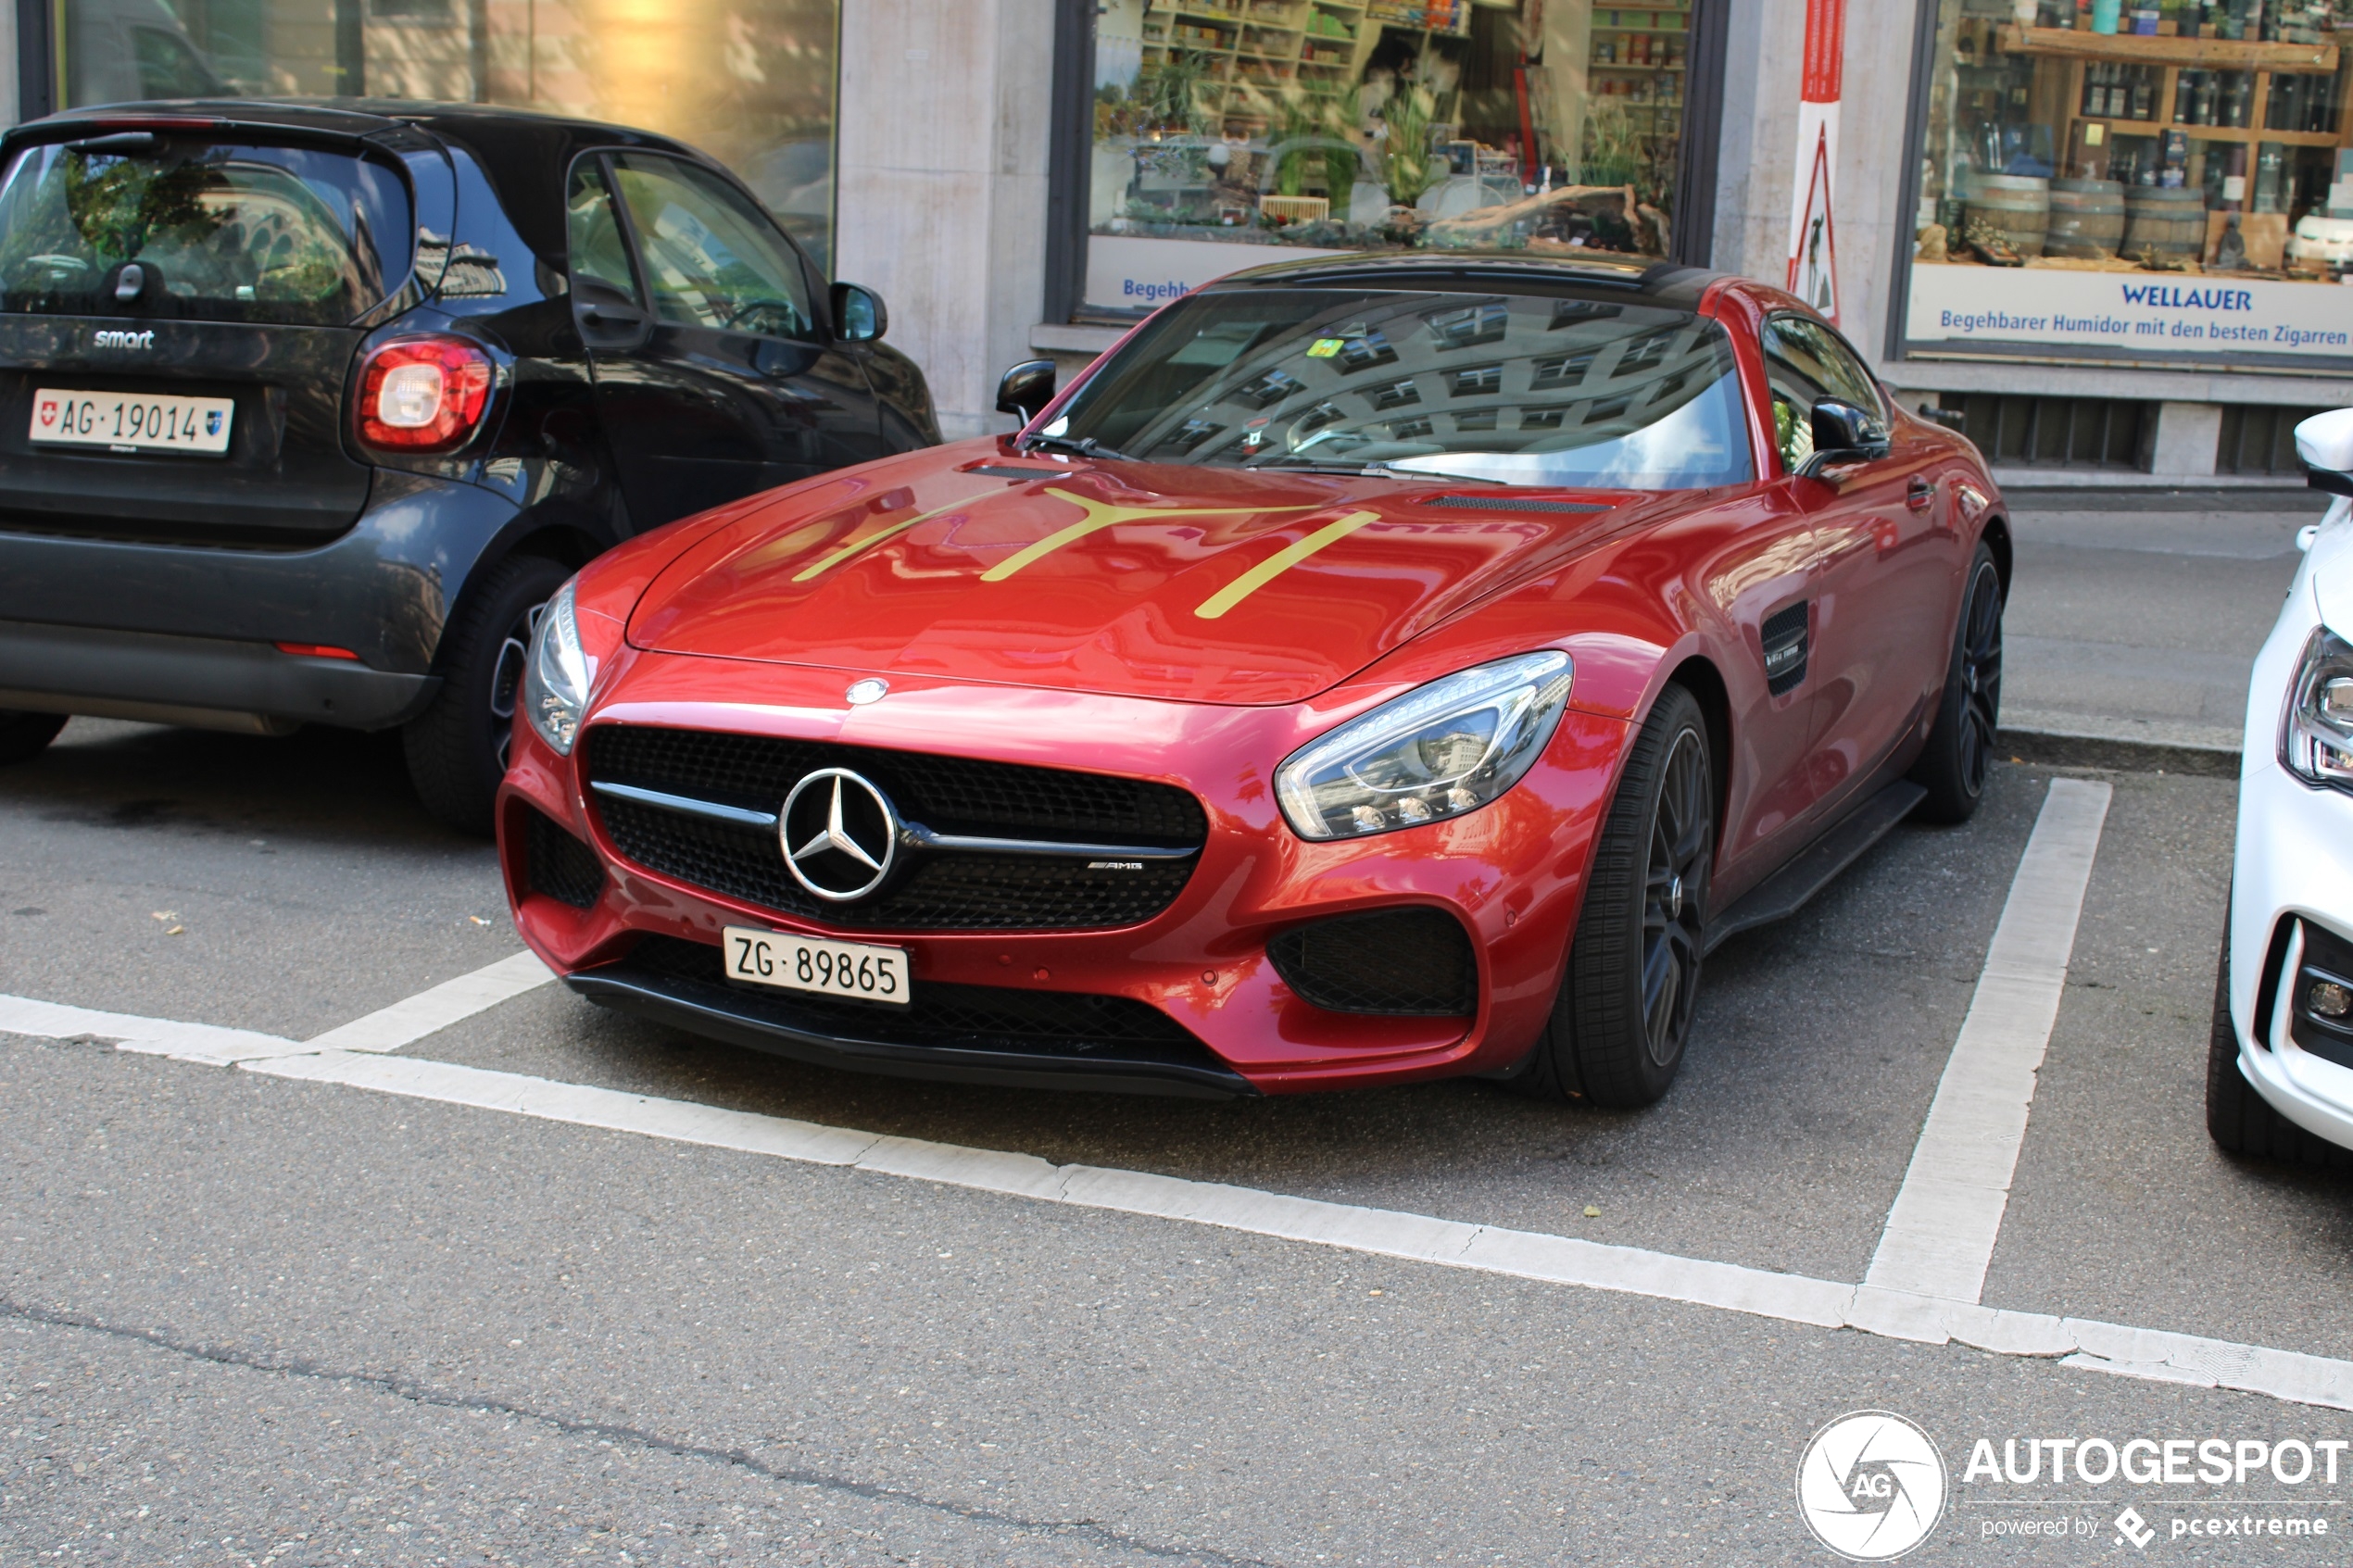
(1411, 963)
(560, 865)
(1505, 504)
(1784, 637)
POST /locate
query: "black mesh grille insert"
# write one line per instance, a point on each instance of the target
(974, 1017)
(560, 865)
(1415, 964)
(953, 891)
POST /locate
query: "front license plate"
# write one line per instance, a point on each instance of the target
(125, 421)
(814, 963)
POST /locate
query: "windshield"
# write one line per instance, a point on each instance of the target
(219, 233)
(1514, 388)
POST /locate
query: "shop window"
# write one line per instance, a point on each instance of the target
(751, 81)
(1228, 132)
(2054, 433)
(2151, 181)
(2258, 439)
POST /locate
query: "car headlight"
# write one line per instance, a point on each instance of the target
(1437, 751)
(556, 679)
(2316, 739)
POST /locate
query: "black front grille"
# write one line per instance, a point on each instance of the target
(958, 890)
(970, 1017)
(560, 865)
(1412, 963)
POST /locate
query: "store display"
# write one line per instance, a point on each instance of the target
(1353, 124)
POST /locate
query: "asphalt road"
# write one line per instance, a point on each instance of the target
(2138, 618)
(245, 1319)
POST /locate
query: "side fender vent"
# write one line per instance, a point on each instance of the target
(1784, 634)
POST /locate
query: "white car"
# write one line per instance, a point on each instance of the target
(2279, 1080)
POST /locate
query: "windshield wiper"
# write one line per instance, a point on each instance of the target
(1078, 446)
(1373, 470)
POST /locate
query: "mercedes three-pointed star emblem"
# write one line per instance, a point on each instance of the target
(840, 834)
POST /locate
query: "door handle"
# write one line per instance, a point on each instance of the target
(1921, 494)
(612, 318)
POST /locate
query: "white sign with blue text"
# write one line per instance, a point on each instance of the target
(2167, 313)
(1134, 272)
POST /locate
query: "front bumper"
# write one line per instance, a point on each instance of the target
(2294, 861)
(1510, 873)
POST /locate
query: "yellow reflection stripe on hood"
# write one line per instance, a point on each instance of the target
(896, 529)
(1282, 560)
(1101, 515)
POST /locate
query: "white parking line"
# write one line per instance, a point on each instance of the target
(1961, 1160)
(387, 1029)
(1948, 1215)
(428, 1012)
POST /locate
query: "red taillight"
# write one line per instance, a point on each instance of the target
(316, 650)
(423, 394)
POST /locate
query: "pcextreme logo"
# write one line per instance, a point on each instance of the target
(1871, 1486)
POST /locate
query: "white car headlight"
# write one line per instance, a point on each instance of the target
(1437, 751)
(556, 679)
(2316, 736)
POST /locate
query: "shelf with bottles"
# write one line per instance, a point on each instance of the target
(2140, 49)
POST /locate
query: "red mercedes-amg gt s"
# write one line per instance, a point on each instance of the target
(1373, 669)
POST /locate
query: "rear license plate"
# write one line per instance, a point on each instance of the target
(124, 422)
(813, 963)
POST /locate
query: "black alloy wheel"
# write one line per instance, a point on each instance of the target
(457, 747)
(1623, 1017)
(1674, 892)
(1959, 757)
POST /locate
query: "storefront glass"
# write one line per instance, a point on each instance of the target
(751, 81)
(2140, 182)
(1230, 132)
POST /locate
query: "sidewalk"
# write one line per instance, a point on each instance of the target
(2134, 617)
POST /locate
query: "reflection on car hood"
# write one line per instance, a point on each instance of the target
(1188, 583)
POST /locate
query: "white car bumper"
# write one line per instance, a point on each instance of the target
(2295, 857)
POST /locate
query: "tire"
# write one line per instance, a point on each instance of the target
(456, 748)
(1624, 1014)
(24, 736)
(2239, 1120)
(1960, 748)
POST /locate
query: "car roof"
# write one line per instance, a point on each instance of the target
(1602, 274)
(524, 154)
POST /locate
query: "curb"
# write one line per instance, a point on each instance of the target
(2054, 748)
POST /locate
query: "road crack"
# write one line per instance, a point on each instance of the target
(419, 1393)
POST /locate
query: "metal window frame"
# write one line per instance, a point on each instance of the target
(36, 58)
(1899, 297)
(1070, 154)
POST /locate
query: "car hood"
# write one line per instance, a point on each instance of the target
(1155, 580)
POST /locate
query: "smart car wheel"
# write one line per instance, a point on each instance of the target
(1618, 1029)
(2240, 1121)
(24, 736)
(1960, 749)
(457, 747)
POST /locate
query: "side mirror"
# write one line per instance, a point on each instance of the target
(2326, 443)
(859, 316)
(1026, 388)
(1843, 433)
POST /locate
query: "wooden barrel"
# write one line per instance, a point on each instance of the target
(2016, 206)
(2087, 218)
(2169, 221)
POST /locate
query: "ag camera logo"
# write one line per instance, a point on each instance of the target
(1871, 1486)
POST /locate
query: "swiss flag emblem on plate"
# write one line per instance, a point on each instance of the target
(48, 412)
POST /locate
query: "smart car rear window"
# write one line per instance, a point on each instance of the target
(1512, 387)
(219, 230)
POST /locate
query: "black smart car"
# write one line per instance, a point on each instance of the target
(307, 408)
